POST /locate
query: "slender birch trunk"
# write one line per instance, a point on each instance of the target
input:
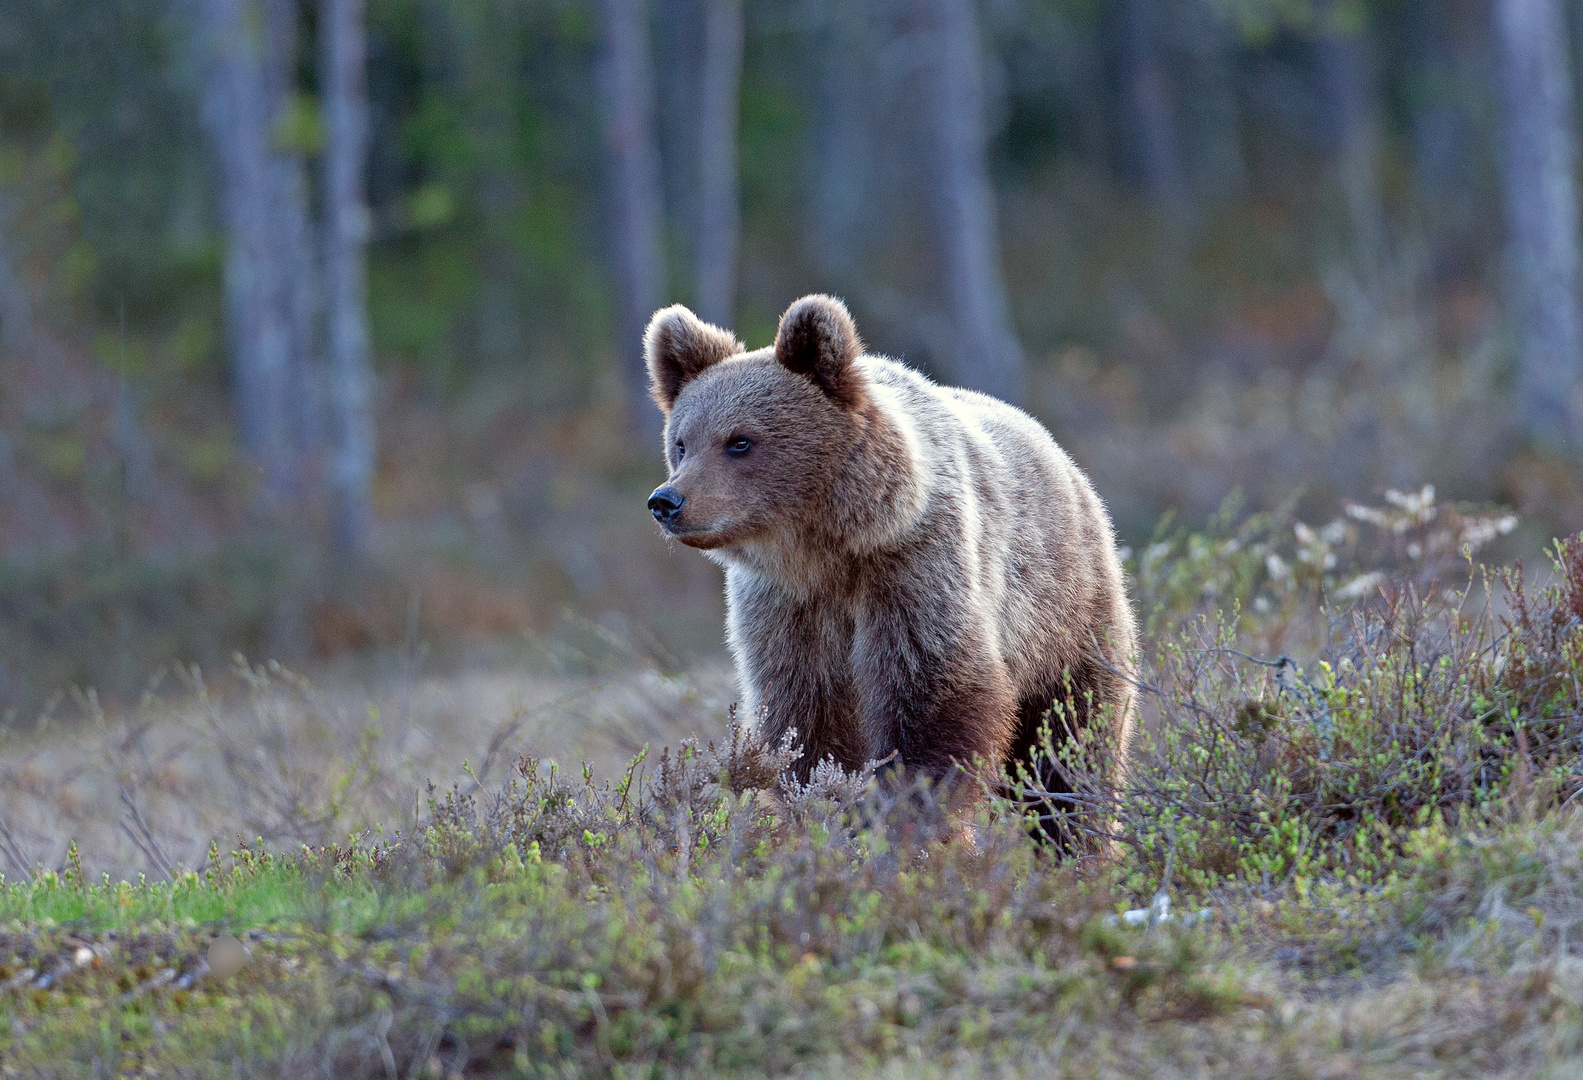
(987, 356)
(8, 476)
(1149, 136)
(839, 219)
(132, 446)
(635, 196)
(1347, 87)
(1541, 216)
(16, 309)
(16, 337)
(1217, 169)
(719, 212)
(343, 76)
(240, 106)
(297, 250)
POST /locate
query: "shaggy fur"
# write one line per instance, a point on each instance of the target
(909, 567)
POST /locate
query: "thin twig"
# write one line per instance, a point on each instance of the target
(157, 856)
(13, 851)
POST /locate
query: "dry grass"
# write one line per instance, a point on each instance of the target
(147, 790)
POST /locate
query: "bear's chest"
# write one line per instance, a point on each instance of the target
(780, 633)
(796, 664)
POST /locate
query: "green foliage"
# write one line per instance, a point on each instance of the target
(1422, 703)
(102, 79)
(255, 888)
(1269, 568)
(489, 215)
(1227, 564)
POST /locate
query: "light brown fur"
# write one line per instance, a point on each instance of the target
(909, 567)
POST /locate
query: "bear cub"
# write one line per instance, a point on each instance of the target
(910, 568)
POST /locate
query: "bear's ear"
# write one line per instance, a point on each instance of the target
(818, 339)
(679, 346)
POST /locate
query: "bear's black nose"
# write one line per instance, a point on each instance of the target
(666, 503)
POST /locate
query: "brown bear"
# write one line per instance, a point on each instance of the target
(910, 568)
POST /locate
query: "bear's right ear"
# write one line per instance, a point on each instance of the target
(818, 339)
(679, 346)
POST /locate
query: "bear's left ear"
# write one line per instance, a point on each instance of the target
(679, 346)
(818, 339)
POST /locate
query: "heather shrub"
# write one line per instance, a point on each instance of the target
(1420, 700)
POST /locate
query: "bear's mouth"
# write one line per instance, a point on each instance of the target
(703, 537)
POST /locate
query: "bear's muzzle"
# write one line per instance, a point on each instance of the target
(666, 504)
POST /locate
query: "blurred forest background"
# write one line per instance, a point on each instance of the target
(321, 317)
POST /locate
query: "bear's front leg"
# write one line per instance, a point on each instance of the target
(791, 678)
(932, 690)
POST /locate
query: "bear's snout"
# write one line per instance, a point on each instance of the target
(666, 504)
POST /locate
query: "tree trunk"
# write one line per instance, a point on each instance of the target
(719, 214)
(1448, 52)
(1149, 142)
(136, 453)
(1347, 91)
(16, 309)
(840, 218)
(16, 337)
(343, 77)
(298, 252)
(1439, 134)
(987, 355)
(240, 107)
(1216, 167)
(635, 197)
(475, 53)
(8, 477)
(1541, 216)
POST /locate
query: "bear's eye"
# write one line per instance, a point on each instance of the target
(681, 451)
(738, 447)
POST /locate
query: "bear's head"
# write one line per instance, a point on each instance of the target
(761, 442)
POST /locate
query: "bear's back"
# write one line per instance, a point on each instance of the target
(1042, 537)
(1000, 438)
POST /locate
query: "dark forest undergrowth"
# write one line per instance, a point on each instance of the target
(1349, 845)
